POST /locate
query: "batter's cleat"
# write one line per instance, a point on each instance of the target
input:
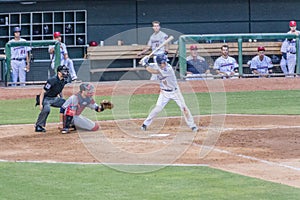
(195, 129)
(143, 127)
(39, 129)
(65, 131)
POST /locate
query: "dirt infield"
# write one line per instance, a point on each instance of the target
(265, 147)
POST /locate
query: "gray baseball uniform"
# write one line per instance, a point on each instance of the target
(169, 91)
(75, 105)
(288, 64)
(155, 40)
(18, 62)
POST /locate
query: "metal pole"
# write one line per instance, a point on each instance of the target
(297, 55)
(182, 57)
(57, 55)
(8, 58)
(240, 41)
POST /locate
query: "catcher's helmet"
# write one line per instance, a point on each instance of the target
(56, 34)
(161, 59)
(293, 23)
(17, 29)
(87, 87)
(64, 70)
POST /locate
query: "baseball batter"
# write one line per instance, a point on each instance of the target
(20, 59)
(169, 91)
(70, 112)
(261, 64)
(225, 65)
(288, 50)
(156, 39)
(64, 57)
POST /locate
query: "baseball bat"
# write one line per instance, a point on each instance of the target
(160, 46)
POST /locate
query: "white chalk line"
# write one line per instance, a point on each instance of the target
(249, 157)
(168, 117)
(214, 149)
(101, 163)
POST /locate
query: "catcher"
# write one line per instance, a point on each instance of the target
(70, 111)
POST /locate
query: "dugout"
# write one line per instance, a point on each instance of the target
(107, 18)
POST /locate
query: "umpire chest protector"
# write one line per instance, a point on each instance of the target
(54, 87)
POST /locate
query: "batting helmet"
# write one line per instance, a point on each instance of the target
(64, 70)
(261, 48)
(293, 23)
(87, 87)
(56, 34)
(17, 29)
(161, 59)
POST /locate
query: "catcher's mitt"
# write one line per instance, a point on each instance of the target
(105, 104)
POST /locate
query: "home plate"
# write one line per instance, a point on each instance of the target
(159, 135)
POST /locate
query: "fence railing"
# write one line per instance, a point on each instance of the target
(36, 43)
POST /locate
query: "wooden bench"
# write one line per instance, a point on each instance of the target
(204, 49)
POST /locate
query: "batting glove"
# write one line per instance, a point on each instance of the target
(145, 61)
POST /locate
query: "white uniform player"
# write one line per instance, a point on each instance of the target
(288, 50)
(156, 39)
(261, 64)
(169, 91)
(226, 65)
(20, 60)
(64, 58)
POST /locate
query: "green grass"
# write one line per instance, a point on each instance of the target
(22, 111)
(66, 181)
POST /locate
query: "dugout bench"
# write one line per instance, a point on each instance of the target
(208, 50)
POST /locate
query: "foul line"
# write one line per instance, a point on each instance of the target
(114, 164)
(249, 157)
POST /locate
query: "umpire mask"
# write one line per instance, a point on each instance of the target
(63, 70)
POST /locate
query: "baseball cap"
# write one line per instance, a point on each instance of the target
(261, 48)
(17, 29)
(293, 23)
(56, 34)
(193, 47)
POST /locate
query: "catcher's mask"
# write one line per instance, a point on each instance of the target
(87, 87)
(63, 70)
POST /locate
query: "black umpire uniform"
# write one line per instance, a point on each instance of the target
(51, 96)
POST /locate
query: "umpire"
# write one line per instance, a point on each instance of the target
(51, 96)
